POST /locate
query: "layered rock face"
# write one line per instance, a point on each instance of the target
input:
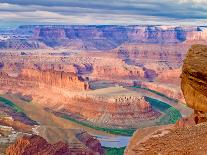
(194, 81)
(169, 90)
(141, 54)
(19, 44)
(118, 71)
(194, 78)
(37, 145)
(109, 37)
(159, 66)
(49, 78)
(94, 37)
(123, 112)
(150, 34)
(68, 81)
(61, 91)
(199, 36)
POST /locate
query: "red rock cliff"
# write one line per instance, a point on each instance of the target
(42, 78)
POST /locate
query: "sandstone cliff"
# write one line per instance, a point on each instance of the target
(55, 78)
(46, 78)
(100, 37)
(59, 89)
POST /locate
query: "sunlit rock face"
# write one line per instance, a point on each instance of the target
(194, 78)
(67, 95)
(55, 78)
(198, 36)
(31, 78)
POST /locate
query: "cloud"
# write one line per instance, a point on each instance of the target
(178, 12)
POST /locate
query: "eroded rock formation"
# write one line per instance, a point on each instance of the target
(59, 89)
(49, 78)
(194, 81)
(91, 142)
(194, 78)
(94, 37)
(37, 145)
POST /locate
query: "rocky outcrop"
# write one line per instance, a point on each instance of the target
(190, 140)
(194, 81)
(142, 54)
(169, 90)
(45, 78)
(37, 145)
(116, 72)
(123, 112)
(55, 78)
(185, 122)
(91, 142)
(199, 36)
(92, 35)
(194, 78)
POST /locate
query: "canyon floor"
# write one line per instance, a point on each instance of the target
(54, 128)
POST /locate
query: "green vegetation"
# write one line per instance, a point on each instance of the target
(115, 131)
(114, 151)
(10, 104)
(155, 92)
(171, 113)
(156, 104)
(170, 117)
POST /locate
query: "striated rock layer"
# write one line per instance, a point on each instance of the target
(95, 37)
(194, 78)
(56, 91)
(54, 78)
(38, 78)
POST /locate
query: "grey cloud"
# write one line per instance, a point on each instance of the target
(107, 11)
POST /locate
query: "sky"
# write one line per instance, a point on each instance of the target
(103, 12)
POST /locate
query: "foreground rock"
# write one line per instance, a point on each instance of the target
(194, 81)
(180, 141)
(32, 145)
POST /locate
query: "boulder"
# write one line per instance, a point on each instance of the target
(194, 78)
(33, 145)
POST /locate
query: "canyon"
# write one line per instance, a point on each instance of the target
(68, 95)
(94, 86)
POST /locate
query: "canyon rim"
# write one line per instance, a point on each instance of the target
(103, 78)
